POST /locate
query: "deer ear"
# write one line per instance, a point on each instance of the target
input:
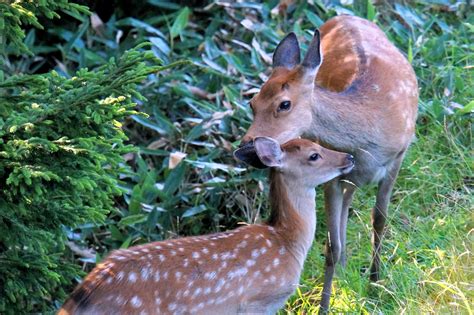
(313, 57)
(287, 53)
(268, 151)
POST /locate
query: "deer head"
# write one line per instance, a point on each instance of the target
(283, 107)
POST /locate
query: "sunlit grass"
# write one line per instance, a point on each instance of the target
(427, 252)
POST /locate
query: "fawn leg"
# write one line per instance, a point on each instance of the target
(348, 194)
(333, 207)
(379, 214)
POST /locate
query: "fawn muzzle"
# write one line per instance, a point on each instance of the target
(246, 153)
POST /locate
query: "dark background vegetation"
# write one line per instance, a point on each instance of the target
(183, 180)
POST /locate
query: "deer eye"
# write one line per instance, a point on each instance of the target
(284, 106)
(314, 157)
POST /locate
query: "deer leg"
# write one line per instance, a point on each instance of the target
(379, 214)
(333, 207)
(348, 193)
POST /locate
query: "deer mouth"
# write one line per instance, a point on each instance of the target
(247, 154)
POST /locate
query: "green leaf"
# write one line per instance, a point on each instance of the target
(174, 179)
(469, 108)
(133, 219)
(115, 233)
(180, 23)
(370, 11)
(194, 210)
(149, 124)
(313, 18)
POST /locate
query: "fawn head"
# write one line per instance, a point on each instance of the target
(283, 107)
(302, 160)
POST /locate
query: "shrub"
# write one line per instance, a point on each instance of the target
(61, 147)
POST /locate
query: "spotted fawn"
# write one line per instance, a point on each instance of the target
(252, 269)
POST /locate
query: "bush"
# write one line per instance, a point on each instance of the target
(61, 147)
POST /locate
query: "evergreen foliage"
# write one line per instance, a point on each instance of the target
(15, 14)
(61, 147)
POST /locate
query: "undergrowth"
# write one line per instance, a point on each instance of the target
(184, 181)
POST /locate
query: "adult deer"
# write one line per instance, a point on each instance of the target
(361, 99)
(252, 269)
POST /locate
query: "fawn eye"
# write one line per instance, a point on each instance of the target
(314, 157)
(284, 106)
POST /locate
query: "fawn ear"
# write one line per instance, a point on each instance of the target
(268, 151)
(287, 53)
(313, 57)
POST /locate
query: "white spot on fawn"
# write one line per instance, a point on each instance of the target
(120, 275)
(250, 263)
(144, 273)
(219, 285)
(119, 300)
(255, 253)
(276, 262)
(205, 250)
(269, 243)
(172, 306)
(210, 275)
(225, 255)
(196, 255)
(282, 250)
(210, 301)
(162, 257)
(237, 272)
(157, 276)
(242, 244)
(197, 292)
(136, 302)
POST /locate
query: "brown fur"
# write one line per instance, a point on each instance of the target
(362, 100)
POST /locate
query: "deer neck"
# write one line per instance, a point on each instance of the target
(293, 213)
(337, 120)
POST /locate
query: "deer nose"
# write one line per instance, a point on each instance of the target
(350, 158)
(245, 141)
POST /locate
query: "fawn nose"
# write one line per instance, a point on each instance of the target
(350, 158)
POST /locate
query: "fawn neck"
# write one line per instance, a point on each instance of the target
(293, 213)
